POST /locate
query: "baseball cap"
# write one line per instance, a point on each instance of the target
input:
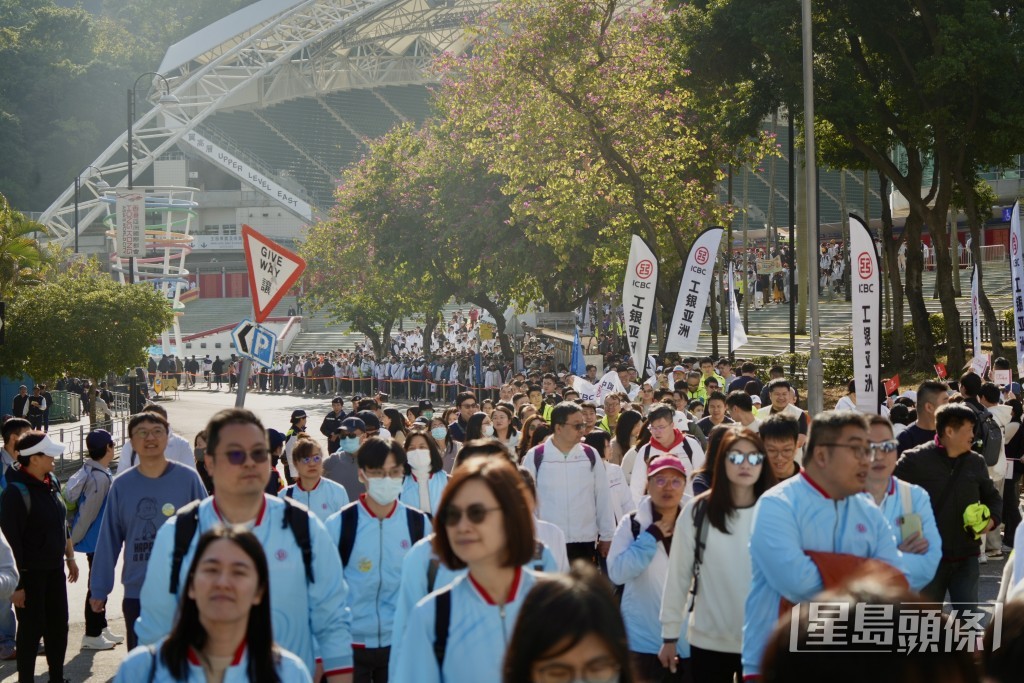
(911, 394)
(666, 462)
(351, 424)
(276, 439)
(298, 414)
(370, 421)
(44, 447)
(357, 397)
(679, 368)
(97, 440)
(426, 405)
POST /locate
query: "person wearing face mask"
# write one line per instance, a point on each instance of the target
(479, 426)
(448, 446)
(341, 466)
(373, 536)
(425, 477)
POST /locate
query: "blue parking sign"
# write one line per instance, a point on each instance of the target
(263, 344)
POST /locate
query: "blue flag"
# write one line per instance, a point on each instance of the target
(577, 365)
(479, 370)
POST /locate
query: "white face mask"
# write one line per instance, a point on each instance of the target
(419, 459)
(384, 490)
(487, 430)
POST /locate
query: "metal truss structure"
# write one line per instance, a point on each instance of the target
(288, 49)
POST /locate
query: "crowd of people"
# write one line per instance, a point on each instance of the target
(684, 528)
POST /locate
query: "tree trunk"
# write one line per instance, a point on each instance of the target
(92, 404)
(924, 359)
(430, 324)
(944, 284)
(498, 314)
(891, 247)
(974, 225)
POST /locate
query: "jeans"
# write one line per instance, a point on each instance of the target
(957, 577)
(8, 624)
(45, 616)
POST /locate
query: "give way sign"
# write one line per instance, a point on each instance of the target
(272, 271)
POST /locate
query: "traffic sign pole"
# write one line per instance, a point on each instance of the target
(243, 383)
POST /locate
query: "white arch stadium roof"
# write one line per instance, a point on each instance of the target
(284, 94)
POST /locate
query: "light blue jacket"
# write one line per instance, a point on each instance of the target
(323, 500)
(414, 587)
(793, 517)
(435, 487)
(374, 570)
(308, 618)
(478, 634)
(144, 664)
(920, 569)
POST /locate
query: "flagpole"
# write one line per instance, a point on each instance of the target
(815, 379)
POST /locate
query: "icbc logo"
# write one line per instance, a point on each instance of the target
(644, 269)
(702, 256)
(864, 265)
(1013, 243)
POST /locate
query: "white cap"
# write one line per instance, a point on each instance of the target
(44, 447)
(911, 394)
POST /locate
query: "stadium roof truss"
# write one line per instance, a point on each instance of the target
(285, 49)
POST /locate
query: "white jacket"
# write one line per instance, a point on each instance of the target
(651, 450)
(572, 494)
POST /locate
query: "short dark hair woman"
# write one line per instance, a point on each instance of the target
(215, 638)
(483, 524)
(569, 629)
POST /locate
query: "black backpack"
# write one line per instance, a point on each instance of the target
(350, 521)
(296, 517)
(988, 437)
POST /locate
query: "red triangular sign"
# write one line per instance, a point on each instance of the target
(272, 271)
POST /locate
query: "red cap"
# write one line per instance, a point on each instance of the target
(665, 462)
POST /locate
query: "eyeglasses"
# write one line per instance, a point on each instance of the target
(393, 473)
(237, 457)
(737, 458)
(311, 460)
(862, 452)
(475, 513)
(884, 447)
(156, 433)
(668, 482)
(468, 406)
(604, 670)
(578, 426)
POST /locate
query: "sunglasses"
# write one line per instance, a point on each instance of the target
(737, 458)
(311, 460)
(475, 513)
(885, 447)
(238, 457)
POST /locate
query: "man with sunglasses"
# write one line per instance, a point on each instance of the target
(140, 500)
(308, 592)
(819, 511)
(572, 485)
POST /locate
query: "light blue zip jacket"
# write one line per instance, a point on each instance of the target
(478, 633)
(374, 570)
(435, 487)
(793, 517)
(144, 664)
(323, 500)
(414, 587)
(920, 569)
(309, 619)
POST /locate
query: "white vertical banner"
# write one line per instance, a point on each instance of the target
(1017, 273)
(737, 335)
(975, 313)
(694, 291)
(131, 224)
(587, 329)
(865, 281)
(638, 291)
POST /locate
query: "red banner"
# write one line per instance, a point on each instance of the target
(940, 370)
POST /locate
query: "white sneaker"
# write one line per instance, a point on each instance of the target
(982, 559)
(112, 637)
(97, 643)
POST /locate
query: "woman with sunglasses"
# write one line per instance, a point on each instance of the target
(223, 629)
(459, 634)
(716, 588)
(907, 507)
(322, 496)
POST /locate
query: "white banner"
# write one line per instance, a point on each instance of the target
(586, 390)
(737, 335)
(866, 315)
(131, 224)
(609, 384)
(694, 290)
(975, 313)
(1017, 273)
(638, 300)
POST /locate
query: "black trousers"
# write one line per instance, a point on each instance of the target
(131, 608)
(648, 669)
(371, 664)
(710, 666)
(45, 616)
(1011, 509)
(582, 551)
(95, 622)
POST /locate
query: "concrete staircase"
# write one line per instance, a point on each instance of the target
(207, 314)
(319, 333)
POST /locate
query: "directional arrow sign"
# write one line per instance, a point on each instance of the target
(272, 271)
(255, 342)
(241, 335)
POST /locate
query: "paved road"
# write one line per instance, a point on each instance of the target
(189, 415)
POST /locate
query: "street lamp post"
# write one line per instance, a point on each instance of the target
(101, 185)
(815, 379)
(166, 98)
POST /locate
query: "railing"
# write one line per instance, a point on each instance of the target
(73, 439)
(991, 253)
(1006, 331)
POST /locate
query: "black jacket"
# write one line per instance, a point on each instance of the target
(38, 537)
(331, 424)
(929, 467)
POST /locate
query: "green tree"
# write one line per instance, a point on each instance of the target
(21, 257)
(82, 323)
(941, 81)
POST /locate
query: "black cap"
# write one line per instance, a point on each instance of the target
(370, 419)
(298, 414)
(426, 405)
